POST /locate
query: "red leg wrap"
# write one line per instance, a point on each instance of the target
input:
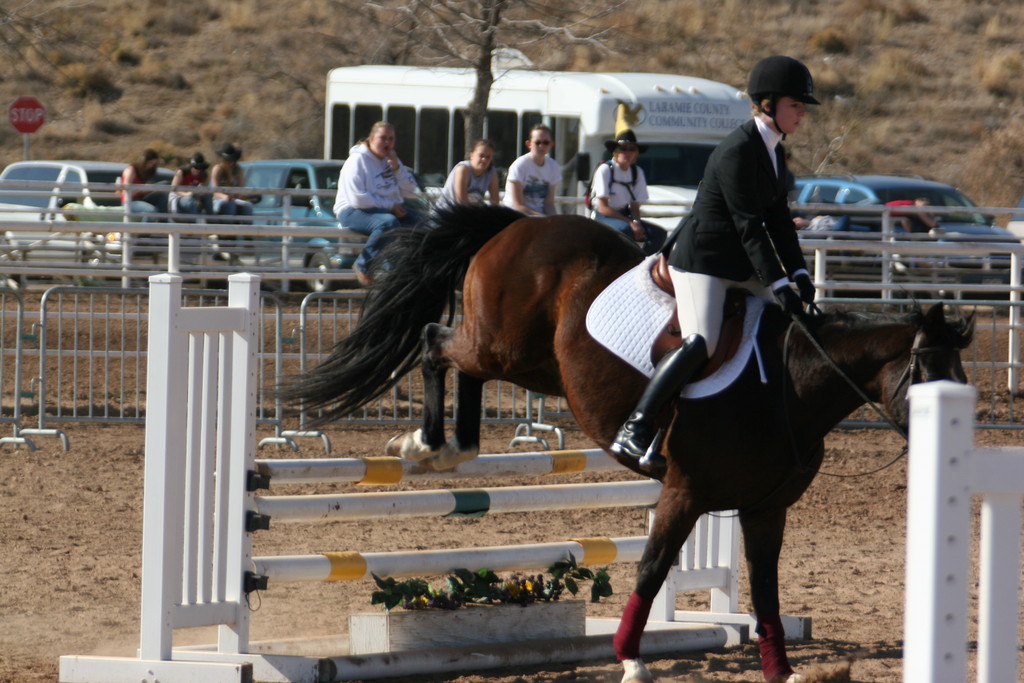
(772, 644)
(631, 627)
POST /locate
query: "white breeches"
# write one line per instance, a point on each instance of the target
(700, 299)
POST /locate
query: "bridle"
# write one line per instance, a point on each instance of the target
(911, 374)
(913, 371)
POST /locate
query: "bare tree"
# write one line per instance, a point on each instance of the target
(468, 33)
(33, 36)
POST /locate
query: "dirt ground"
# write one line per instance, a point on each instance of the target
(70, 524)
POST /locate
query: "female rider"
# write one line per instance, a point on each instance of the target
(739, 234)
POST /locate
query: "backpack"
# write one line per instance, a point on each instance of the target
(588, 199)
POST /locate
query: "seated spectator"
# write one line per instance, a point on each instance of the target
(227, 174)
(372, 188)
(619, 188)
(142, 172)
(473, 178)
(192, 175)
(533, 178)
(913, 222)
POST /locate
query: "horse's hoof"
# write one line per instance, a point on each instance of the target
(791, 678)
(634, 671)
(449, 456)
(409, 446)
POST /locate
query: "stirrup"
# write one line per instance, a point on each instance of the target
(653, 458)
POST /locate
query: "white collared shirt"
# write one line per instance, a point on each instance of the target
(771, 141)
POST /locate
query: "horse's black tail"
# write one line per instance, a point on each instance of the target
(415, 278)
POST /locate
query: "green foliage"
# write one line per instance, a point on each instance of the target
(568, 571)
(484, 587)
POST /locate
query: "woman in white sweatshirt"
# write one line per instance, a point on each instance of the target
(372, 188)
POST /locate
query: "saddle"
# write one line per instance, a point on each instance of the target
(671, 337)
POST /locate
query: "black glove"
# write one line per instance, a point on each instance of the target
(789, 301)
(806, 287)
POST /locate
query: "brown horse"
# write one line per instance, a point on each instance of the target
(527, 285)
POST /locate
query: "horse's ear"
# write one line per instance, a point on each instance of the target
(935, 318)
(935, 323)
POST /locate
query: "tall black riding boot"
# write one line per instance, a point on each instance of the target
(674, 370)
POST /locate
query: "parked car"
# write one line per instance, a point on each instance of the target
(1016, 224)
(876, 190)
(56, 202)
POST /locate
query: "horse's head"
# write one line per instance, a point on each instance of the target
(934, 355)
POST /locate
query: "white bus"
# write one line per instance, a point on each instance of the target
(679, 118)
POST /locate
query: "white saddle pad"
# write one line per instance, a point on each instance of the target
(629, 314)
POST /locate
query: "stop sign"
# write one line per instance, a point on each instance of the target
(26, 114)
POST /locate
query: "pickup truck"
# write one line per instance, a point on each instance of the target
(314, 182)
(32, 192)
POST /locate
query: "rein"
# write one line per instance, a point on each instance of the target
(910, 373)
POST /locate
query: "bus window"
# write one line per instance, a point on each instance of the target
(567, 137)
(531, 119)
(459, 137)
(341, 121)
(404, 121)
(366, 116)
(433, 164)
(676, 165)
(503, 131)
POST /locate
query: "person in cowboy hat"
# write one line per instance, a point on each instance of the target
(227, 174)
(184, 198)
(739, 234)
(619, 188)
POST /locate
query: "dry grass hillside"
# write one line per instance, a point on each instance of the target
(911, 86)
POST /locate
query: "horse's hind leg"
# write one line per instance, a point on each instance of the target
(428, 439)
(465, 445)
(672, 525)
(428, 444)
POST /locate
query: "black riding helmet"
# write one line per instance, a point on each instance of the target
(780, 75)
(777, 76)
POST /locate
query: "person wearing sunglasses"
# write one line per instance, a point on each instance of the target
(619, 188)
(533, 178)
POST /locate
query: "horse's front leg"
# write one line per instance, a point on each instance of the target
(762, 540)
(671, 527)
(428, 440)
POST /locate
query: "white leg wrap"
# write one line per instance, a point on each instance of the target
(634, 671)
(449, 456)
(409, 446)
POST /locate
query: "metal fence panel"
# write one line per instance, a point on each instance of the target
(82, 359)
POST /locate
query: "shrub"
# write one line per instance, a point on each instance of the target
(85, 80)
(156, 71)
(894, 70)
(994, 169)
(1002, 74)
(831, 41)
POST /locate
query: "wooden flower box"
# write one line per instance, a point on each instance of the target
(400, 630)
